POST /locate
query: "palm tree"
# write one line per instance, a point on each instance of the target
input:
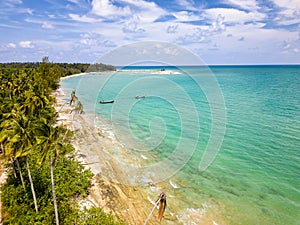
(7, 148)
(17, 136)
(51, 141)
(27, 118)
(34, 103)
(73, 97)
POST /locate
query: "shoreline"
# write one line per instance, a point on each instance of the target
(110, 189)
(130, 203)
(74, 75)
(162, 72)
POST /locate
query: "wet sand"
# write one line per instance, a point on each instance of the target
(110, 188)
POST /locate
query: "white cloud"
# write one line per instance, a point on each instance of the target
(47, 25)
(13, 2)
(234, 16)
(187, 4)
(172, 29)
(286, 45)
(250, 5)
(74, 1)
(106, 9)
(235, 31)
(132, 26)
(290, 44)
(9, 26)
(11, 45)
(184, 16)
(197, 35)
(83, 18)
(255, 37)
(290, 13)
(26, 10)
(202, 34)
(52, 16)
(88, 39)
(15, 6)
(146, 11)
(218, 24)
(26, 44)
(94, 41)
(289, 4)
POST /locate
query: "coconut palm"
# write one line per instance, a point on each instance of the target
(50, 140)
(34, 103)
(18, 138)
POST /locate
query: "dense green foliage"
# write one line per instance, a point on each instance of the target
(71, 182)
(100, 67)
(29, 139)
(64, 68)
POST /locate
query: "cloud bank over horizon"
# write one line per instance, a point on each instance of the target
(218, 32)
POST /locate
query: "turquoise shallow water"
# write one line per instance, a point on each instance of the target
(255, 176)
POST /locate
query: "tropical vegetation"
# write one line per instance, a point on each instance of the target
(65, 69)
(44, 180)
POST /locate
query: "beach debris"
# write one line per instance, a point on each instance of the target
(162, 205)
(162, 202)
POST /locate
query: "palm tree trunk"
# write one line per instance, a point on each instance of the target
(32, 187)
(53, 192)
(13, 167)
(20, 172)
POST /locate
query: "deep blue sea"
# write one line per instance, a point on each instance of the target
(224, 140)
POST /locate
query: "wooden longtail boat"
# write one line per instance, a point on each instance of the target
(139, 97)
(107, 102)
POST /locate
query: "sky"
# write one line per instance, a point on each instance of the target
(216, 31)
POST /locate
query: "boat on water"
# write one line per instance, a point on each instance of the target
(139, 97)
(107, 102)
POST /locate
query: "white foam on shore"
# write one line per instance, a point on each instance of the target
(144, 157)
(191, 216)
(174, 185)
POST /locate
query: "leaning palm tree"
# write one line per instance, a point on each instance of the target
(51, 141)
(17, 132)
(73, 97)
(8, 140)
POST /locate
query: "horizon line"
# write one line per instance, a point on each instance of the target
(215, 64)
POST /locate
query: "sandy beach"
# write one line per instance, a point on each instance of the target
(110, 187)
(131, 203)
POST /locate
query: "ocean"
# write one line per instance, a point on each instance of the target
(223, 141)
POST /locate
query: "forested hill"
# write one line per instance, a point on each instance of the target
(65, 68)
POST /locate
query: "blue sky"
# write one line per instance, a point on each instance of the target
(219, 32)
